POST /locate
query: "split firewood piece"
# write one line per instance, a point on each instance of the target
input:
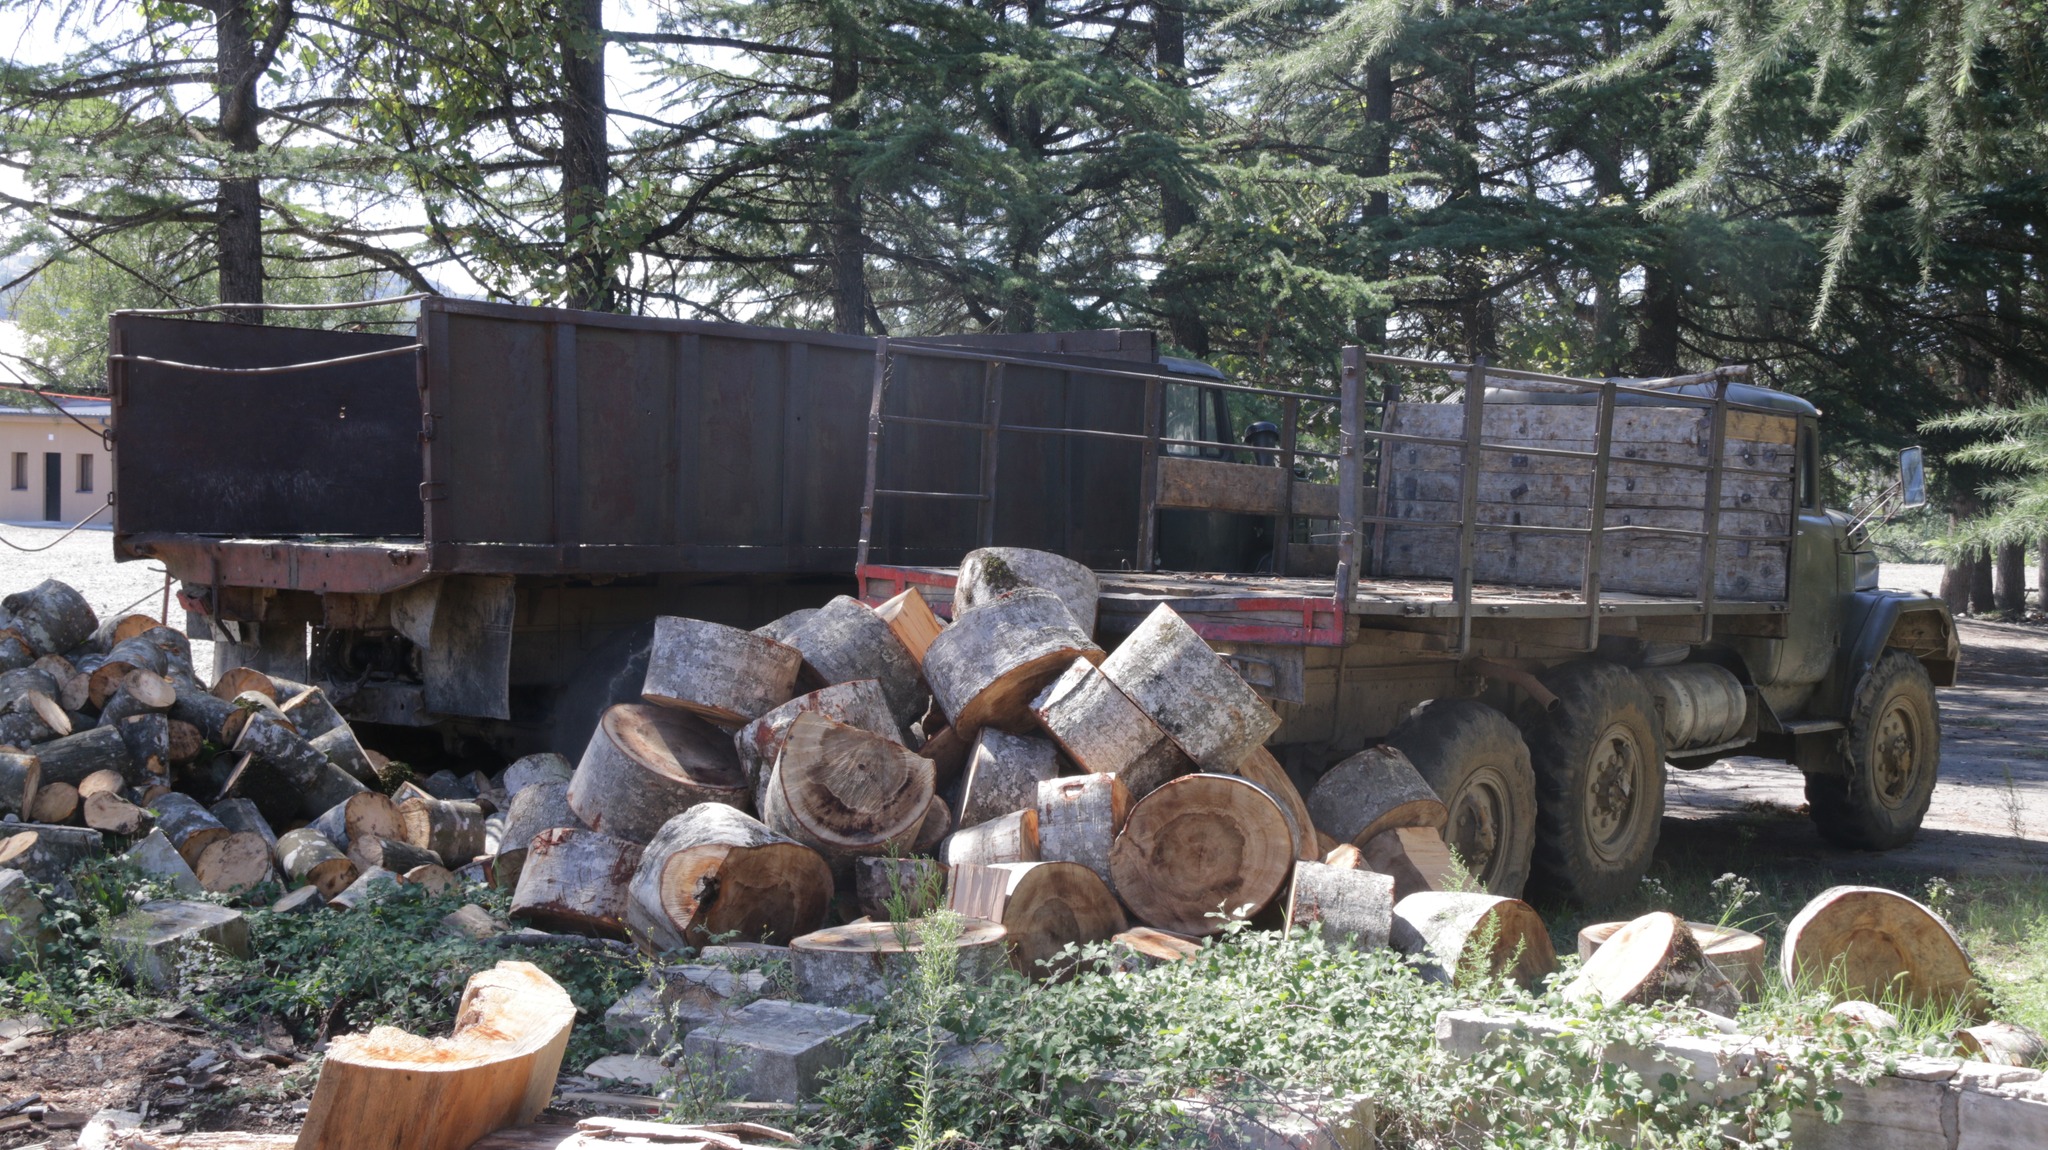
(235, 680)
(537, 807)
(437, 880)
(373, 852)
(898, 890)
(781, 629)
(1003, 775)
(1047, 905)
(309, 857)
(308, 708)
(1355, 907)
(990, 573)
(1262, 768)
(1375, 790)
(73, 757)
(120, 628)
(1878, 945)
(142, 692)
(866, 961)
(1738, 953)
(1167, 669)
(1147, 946)
(1198, 848)
(189, 826)
(713, 871)
(859, 703)
(450, 828)
(2001, 1043)
(575, 881)
(20, 774)
(645, 765)
(206, 714)
(497, 1070)
(51, 616)
(845, 792)
(727, 675)
(1654, 959)
(992, 662)
(846, 641)
(270, 737)
(1448, 932)
(1079, 819)
(47, 853)
(148, 738)
(366, 814)
(1417, 858)
(937, 824)
(110, 811)
(545, 767)
(911, 617)
(55, 803)
(238, 863)
(344, 750)
(1010, 839)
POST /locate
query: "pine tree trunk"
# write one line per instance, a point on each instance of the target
(238, 222)
(2010, 572)
(586, 174)
(1983, 597)
(849, 240)
(1178, 303)
(2040, 577)
(1956, 580)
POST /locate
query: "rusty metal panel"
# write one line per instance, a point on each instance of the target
(494, 421)
(332, 451)
(625, 397)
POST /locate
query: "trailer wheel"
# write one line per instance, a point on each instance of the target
(1599, 783)
(1476, 761)
(1889, 758)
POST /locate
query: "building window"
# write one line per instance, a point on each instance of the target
(21, 471)
(85, 472)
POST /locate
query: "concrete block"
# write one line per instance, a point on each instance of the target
(150, 940)
(21, 919)
(2010, 1116)
(1885, 1112)
(1297, 1120)
(773, 1051)
(743, 954)
(637, 1022)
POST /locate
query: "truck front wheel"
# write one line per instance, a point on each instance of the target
(1599, 783)
(1889, 758)
(1475, 760)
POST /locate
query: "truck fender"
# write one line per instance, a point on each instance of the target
(1876, 620)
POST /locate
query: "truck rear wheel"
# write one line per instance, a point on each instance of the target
(1599, 783)
(1890, 756)
(1476, 761)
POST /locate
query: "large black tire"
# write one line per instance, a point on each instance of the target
(1890, 755)
(1476, 761)
(1599, 762)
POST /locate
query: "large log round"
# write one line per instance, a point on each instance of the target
(867, 961)
(712, 871)
(1461, 936)
(20, 774)
(545, 767)
(1200, 847)
(859, 703)
(1167, 669)
(1738, 953)
(272, 739)
(73, 757)
(148, 738)
(1654, 958)
(987, 667)
(727, 675)
(538, 807)
(1354, 907)
(1003, 775)
(239, 863)
(845, 792)
(48, 853)
(366, 814)
(1079, 819)
(1870, 943)
(1048, 905)
(309, 857)
(242, 815)
(189, 826)
(575, 881)
(1261, 768)
(451, 828)
(846, 641)
(645, 765)
(1010, 839)
(1375, 790)
(990, 573)
(52, 616)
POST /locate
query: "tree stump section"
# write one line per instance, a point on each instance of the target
(1415, 857)
(1173, 676)
(911, 618)
(451, 829)
(1079, 819)
(645, 765)
(1869, 943)
(51, 617)
(988, 666)
(990, 573)
(575, 881)
(1375, 790)
(1355, 907)
(1738, 953)
(1010, 839)
(189, 826)
(1003, 775)
(846, 641)
(497, 1070)
(898, 890)
(1654, 958)
(1448, 931)
(845, 792)
(1199, 847)
(546, 767)
(372, 852)
(859, 703)
(1047, 905)
(1262, 769)
(236, 864)
(73, 757)
(308, 857)
(712, 871)
(536, 808)
(54, 803)
(2001, 1044)
(866, 961)
(726, 675)
(20, 774)
(367, 814)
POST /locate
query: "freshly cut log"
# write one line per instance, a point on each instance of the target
(1079, 819)
(1878, 945)
(246, 704)
(845, 792)
(1261, 768)
(148, 738)
(108, 811)
(1010, 839)
(206, 714)
(372, 852)
(18, 684)
(1355, 907)
(20, 774)
(51, 616)
(54, 803)
(1047, 905)
(142, 692)
(235, 680)
(575, 881)
(1449, 932)
(990, 573)
(992, 662)
(121, 628)
(242, 815)
(398, 1091)
(727, 675)
(1738, 953)
(846, 641)
(645, 765)
(2002, 1044)
(367, 814)
(308, 708)
(343, 750)
(1172, 675)
(238, 863)
(452, 829)
(1417, 858)
(1150, 947)
(177, 653)
(331, 787)
(309, 857)
(23, 729)
(271, 738)
(545, 767)
(373, 884)
(189, 826)
(781, 629)
(911, 618)
(1198, 848)
(98, 782)
(75, 694)
(47, 709)
(437, 880)
(937, 824)
(713, 871)
(1375, 790)
(866, 961)
(898, 890)
(859, 703)
(47, 853)
(1003, 775)
(1654, 958)
(537, 807)
(73, 757)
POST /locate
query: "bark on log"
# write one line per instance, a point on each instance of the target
(898, 890)
(990, 573)
(1738, 953)
(148, 738)
(235, 680)
(1010, 839)
(452, 829)
(867, 961)
(846, 641)
(781, 629)
(189, 826)
(1047, 905)
(310, 857)
(73, 757)
(911, 618)
(23, 730)
(47, 853)
(1448, 931)
(1172, 675)
(141, 692)
(330, 788)
(108, 811)
(20, 774)
(55, 803)
(2001, 1044)
(1654, 958)
(1355, 907)
(645, 765)
(1199, 846)
(1415, 857)
(537, 807)
(713, 871)
(75, 694)
(113, 631)
(845, 792)
(341, 748)
(177, 653)
(497, 1070)
(546, 767)
(438, 880)
(937, 824)
(18, 684)
(246, 704)
(14, 649)
(859, 703)
(270, 737)
(1079, 819)
(236, 864)
(1375, 790)
(206, 714)
(1003, 775)
(986, 668)
(1265, 771)
(728, 676)
(575, 881)
(308, 708)
(1867, 942)
(373, 852)
(51, 616)
(242, 815)
(366, 814)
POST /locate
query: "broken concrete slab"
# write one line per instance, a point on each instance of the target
(22, 934)
(638, 1022)
(635, 1068)
(1296, 1120)
(152, 940)
(154, 855)
(743, 954)
(774, 1051)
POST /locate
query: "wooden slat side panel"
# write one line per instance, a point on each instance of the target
(1649, 566)
(832, 427)
(497, 418)
(625, 414)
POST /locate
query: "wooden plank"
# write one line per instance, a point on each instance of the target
(1542, 423)
(1752, 572)
(1630, 485)
(1248, 489)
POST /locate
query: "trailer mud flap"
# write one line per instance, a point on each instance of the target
(463, 625)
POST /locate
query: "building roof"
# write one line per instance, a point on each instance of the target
(84, 407)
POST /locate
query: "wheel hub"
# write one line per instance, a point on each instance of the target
(1895, 757)
(1613, 787)
(1477, 818)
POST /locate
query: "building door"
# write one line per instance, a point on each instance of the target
(53, 486)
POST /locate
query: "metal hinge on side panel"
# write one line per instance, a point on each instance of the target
(426, 426)
(431, 491)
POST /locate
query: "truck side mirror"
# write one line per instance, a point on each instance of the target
(1912, 479)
